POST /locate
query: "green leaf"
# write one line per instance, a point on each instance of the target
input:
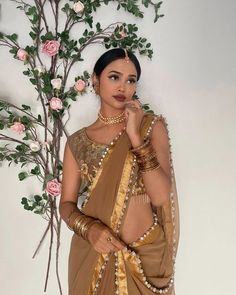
(85, 33)
(27, 136)
(23, 164)
(37, 198)
(39, 119)
(45, 196)
(47, 36)
(26, 73)
(35, 170)
(24, 201)
(82, 40)
(25, 120)
(13, 50)
(22, 175)
(98, 27)
(14, 37)
(21, 148)
(26, 107)
(33, 81)
(32, 35)
(35, 19)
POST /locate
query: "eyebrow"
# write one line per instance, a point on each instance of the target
(130, 75)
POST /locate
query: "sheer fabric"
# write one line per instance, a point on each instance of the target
(145, 266)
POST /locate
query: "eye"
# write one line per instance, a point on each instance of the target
(132, 80)
(115, 76)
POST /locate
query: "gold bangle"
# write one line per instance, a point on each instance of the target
(84, 227)
(150, 168)
(76, 224)
(146, 157)
(144, 152)
(149, 164)
(141, 148)
(69, 218)
(82, 224)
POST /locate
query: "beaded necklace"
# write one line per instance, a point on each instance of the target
(112, 120)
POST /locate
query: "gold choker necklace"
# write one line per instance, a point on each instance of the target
(112, 120)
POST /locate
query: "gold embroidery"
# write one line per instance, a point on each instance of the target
(121, 274)
(84, 169)
(97, 274)
(117, 210)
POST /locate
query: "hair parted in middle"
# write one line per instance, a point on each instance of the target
(113, 54)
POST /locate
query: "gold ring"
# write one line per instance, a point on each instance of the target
(109, 239)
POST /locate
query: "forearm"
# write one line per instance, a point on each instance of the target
(66, 209)
(75, 219)
(157, 186)
(156, 181)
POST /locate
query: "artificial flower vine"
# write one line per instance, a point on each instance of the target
(34, 140)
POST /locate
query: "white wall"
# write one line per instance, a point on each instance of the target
(191, 81)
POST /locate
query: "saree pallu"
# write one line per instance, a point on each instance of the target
(145, 266)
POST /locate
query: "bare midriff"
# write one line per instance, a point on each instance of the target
(138, 219)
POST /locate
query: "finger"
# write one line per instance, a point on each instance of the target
(132, 107)
(115, 244)
(136, 101)
(107, 247)
(118, 244)
(110, 247)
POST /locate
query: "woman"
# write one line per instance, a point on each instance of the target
(126, 230)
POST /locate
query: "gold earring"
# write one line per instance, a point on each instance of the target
(126, 56)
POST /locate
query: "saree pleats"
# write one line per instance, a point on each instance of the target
(144, 267)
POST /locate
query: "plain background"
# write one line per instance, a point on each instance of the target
(191, 81)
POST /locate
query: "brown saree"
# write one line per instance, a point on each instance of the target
(145, 266)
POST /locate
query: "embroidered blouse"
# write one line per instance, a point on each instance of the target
(87, 153)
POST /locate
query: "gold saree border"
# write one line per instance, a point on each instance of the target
(121, 274)
(128, 256)
(122, 191)
(97, 274)
(95, 179)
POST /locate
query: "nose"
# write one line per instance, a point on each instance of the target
(122, 86)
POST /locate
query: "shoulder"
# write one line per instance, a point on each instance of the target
(158, 130)
(75, 134)
(74, 138)
(157, 123)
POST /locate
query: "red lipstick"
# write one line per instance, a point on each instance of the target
(119, 97)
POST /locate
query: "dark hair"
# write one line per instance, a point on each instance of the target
(112, 55)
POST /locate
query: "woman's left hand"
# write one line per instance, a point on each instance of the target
(134, 115)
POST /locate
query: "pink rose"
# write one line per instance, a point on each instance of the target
(51, 47)
(123, 34)
(78, 7)
(56, 103)
(79, 85)
(53, 187)
(56, 83)
(18, 127)
(22, 54)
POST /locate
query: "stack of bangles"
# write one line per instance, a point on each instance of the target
(146, 157)
(81, 223)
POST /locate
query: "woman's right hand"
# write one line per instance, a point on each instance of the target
(97, 236)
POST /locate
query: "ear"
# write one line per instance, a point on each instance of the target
(94, 79)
